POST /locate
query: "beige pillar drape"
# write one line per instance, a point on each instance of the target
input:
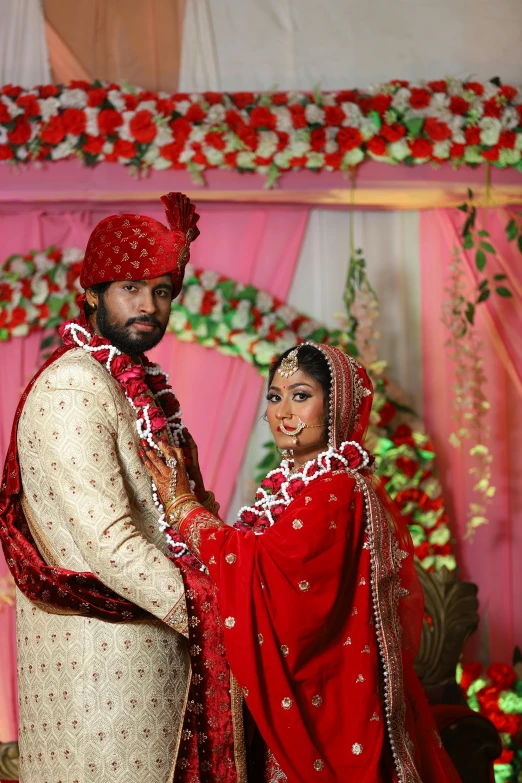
(138, 41)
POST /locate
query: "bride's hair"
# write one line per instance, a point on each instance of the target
(313, 362)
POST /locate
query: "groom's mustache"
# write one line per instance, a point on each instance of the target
(144, 319)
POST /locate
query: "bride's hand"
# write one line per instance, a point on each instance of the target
(161, 473)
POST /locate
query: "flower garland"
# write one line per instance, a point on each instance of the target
(243, 321)
(465, 122)
(282, 485)
(497, 694)
(142, 385)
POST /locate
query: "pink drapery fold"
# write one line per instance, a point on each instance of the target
(219, 394)
(490, 558)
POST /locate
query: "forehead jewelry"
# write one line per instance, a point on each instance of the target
(289, 365)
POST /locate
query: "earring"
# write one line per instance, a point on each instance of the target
(285, 454)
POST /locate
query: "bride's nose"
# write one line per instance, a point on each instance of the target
(284, 411)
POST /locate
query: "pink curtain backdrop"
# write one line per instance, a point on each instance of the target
(219, 394)
(491, 558)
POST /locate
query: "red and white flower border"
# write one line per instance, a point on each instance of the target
(465, 122)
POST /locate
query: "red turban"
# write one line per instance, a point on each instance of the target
(135, 247)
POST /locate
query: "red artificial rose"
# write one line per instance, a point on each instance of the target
(333, 115)
(280, 98)
(74, 121)
(457, 150)
(403, 435)
(213, 97)
(26, 289)
(181, 129)
(475, 87)
(44, 152)
(295, 486)
(298, 161)
(48, 91)
(142, 127)
(438, 86)
(298, 115)
(366, 104)
(29, 104)
(216, 140)
(442, 549)
(6, 293)
(109, 120)
(131, 101)
(317, 139)
(5, 115)
(259, 160)
(262, 118)
(277, 511)
(420, 98)
(21, 132)
(458, 105)
(43, 311)
(491, 155)
(349, 139)
(423, 550)
(145, 95)
(93, 145)
(353, 455)
(472, 135)
(508, 724)
(208, 303)
(64, 310)
(79, 84)
(508, 92)
(333, 159)
(377, 146)
(407, 466)
(230, 159)
(243, 99)
(195, 114)
(180, 96)
(6, 153)
(400, 82)
(200, 158)
(54, 132)
(502, 675)
(381, 103)
(124, 149)
(492, 108)
(506, 757)
(283, 140)
(437, 131)
(470, 673)
(164, 106)
(12, 91)
(18, 316)
(248, 136)
(393, 133)
(507, 140)
(233, 120)
(96, 96)
(347, 96)
(420, 148)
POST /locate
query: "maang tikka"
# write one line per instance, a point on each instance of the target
(290, 364)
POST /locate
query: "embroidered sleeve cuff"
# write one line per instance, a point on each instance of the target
(177, 618)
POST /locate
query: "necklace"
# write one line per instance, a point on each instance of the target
(158, 412)
(282, 485)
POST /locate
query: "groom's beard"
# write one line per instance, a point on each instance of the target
(122, 337)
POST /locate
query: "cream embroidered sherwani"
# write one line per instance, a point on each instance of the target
(99, 701)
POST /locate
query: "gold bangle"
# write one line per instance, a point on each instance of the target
(211, 504)
(176, 502)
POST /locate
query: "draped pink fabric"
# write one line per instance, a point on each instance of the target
(490, 559)
(219, 394)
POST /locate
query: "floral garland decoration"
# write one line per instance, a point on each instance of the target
(38, 291)
(281, 486)
(496, 693)
(143, 385)
(464, 122)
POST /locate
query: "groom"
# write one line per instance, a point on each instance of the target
(101, 613)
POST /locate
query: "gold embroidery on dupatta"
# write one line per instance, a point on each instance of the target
(386, 560)
(236, 703)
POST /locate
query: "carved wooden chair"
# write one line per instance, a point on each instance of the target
(451, 617)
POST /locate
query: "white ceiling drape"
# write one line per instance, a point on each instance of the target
(24, 59)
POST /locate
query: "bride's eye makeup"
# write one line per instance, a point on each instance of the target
(298, 396)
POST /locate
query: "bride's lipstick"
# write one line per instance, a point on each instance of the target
(290, 429)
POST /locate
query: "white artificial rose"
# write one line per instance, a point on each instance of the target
(71, 254)
(353, 157)
(264, 352)
(64, 149)
(368, 128)
(267, 146)
(164, 135)
(473, 155)
(216, 114)
(441, 149)
(159, 164)
(328, 98)
(491, 128)
(48, 107)
(223, 332)
(117, 100)
(3, 135)
(13, 108)
(147, 106)
(22, 153)
(40, 290)
(490, 91)
(509, 157)
(108, 148)
(440, 536)
(198, 133)
(193, 298)
(21, 330)
(42, 262)
(241, 316)
(284, 122)
(214, 156)
(331, 147)
(314, 114)
(183, 106)
(286, 313)
(353, 114)
(439, 103)
(294, 96)
(298, 147)
(264, 302)
(217, 309)
(510, 118)
(285, 341)
(245, 160)
(73, 99)
(209, 279)
(178, 320)
(306, 328)
(151, 155)
(315, 160)
(282, 159)
(398, 150)
(266, 324)
(186, 155)
(91, 120)
(60, 277)
(124, 130)
(518, 141)
(18, 266)
(401, 99)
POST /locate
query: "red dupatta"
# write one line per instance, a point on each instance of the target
(322, 614)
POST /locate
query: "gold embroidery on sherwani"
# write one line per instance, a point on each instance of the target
(98, 700)
(236, 702)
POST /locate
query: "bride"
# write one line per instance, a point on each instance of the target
(320, 605)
